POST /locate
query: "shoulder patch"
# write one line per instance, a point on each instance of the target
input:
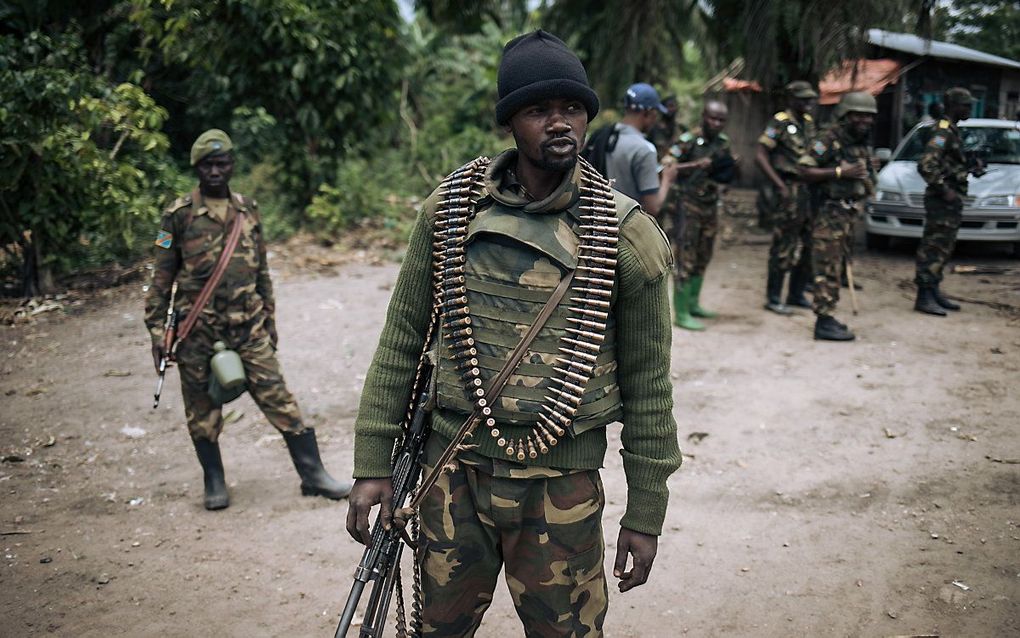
(771, 132)
(164, 239)
(782, 116)
(686, 137)
(944, 124)
(819, 147)
(939, 141)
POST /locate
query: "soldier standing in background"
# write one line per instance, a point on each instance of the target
(240, 313)
(704, 161)
(944, 168)
(780, 148)
(839, 158)
(498, 238)
(663, 135)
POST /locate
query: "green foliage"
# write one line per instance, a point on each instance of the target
(323, 71)
(83, 160)
(992, 27)
(622, 42)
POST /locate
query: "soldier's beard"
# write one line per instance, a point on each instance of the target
(565, 163)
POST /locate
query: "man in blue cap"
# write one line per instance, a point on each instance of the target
(633, 164)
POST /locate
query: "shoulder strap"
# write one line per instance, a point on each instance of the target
(496, 387)
(214, 279)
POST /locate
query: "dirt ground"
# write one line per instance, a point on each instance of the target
(862, 489)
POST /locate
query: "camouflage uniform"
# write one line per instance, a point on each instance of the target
(692, 206)
(943, 166)
(240, 312)
(841, 202)
(786, 139)
(540, 517)
(544, 523)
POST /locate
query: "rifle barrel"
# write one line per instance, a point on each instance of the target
(347, 617)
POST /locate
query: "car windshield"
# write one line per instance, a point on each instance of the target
(993, 145)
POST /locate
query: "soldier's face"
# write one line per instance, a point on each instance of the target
(960, 111)
(215, 171)
(802, 105)
(549, 133)
(860, 123)
(714, 119)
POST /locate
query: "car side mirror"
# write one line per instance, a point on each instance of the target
(883, 155)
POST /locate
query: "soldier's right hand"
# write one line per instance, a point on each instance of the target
(366, 494)
(157, 355)
(855, 170)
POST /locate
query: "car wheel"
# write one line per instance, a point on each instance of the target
(876, 242)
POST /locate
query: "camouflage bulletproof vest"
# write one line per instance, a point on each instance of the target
(844, 148)
(944, 154)
(511, 259)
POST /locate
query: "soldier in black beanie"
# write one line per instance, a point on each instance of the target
(534, 238)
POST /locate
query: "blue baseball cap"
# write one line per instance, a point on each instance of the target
(643, 96)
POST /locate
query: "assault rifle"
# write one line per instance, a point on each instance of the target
(169, 336)
(381, 561)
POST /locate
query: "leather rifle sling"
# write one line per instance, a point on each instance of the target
(214, 279)
(495, 388)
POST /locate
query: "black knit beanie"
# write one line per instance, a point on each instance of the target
(539, 66)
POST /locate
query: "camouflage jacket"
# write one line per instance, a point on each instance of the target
(692, 146)
(188, 247)
(787, 141)
(943, 163)
(834, 145)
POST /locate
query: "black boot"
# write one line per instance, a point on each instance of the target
(774, 292)
(315, 480)
(926, 302)
(798, 283)
(828, 329)
(943, 301)
(216, 497)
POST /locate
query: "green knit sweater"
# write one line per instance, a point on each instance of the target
(641, 309)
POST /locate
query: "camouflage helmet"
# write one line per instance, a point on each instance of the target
(856, 102)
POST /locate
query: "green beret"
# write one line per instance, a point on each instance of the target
(801, 89)
(958, 95)
(212, 141)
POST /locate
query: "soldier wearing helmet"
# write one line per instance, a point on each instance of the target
(944, 168)
(840, 160)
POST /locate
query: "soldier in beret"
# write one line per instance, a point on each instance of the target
(240, 313)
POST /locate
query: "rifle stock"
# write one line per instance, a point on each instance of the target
(380, 561)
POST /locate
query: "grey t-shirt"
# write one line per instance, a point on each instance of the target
(633, 165)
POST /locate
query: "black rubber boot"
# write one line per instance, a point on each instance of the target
(828, 329)
(943, 301)
(774, 292)
(926, 302)
(799, 277)
(216, 497)
(315, 480)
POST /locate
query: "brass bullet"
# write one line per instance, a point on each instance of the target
(594, 336)
(591, 347)
(570, 386)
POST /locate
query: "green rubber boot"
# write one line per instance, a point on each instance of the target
(696, 309)
(681, 303)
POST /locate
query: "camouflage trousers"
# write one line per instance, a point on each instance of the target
(261, 368)
(831, 239)
(693, 237)
(791, 228)
(544, 524)
(941, 223)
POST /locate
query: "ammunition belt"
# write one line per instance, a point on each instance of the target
(591, 290)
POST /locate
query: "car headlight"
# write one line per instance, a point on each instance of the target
(891, 197)
(997, 200)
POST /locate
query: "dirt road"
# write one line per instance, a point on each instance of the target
(864, 489)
